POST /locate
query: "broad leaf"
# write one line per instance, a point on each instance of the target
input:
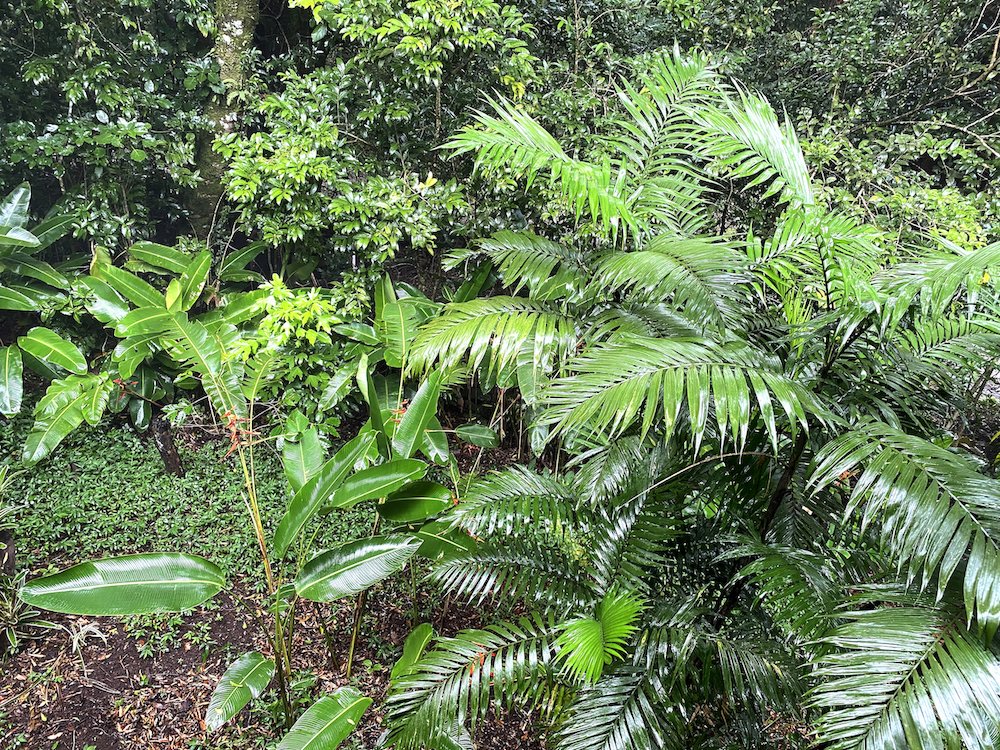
(14, 206)
(377, 481)
(478, 434)
(415, 502)
(159, 257)
(353, 567)
(52, 348)
(410, 431)
(328, 722)
(302, 458)
(413, 649)
(11, 380)
(314, 493)
(193, 278)
(129, 585)
(245, 679)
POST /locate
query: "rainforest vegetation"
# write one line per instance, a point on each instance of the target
(456, 375)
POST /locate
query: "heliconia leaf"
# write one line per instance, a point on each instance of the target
(233, 266)
(314, 493)
(377, 481)
(52, 229)
(144, 321)
(60, 411)
(128, 585)
(14, 206)
(413, 649)
(358, 332)
(107, 305)
(245, 679)
(159, 257)
(410, 431)
(302, 458)
(25, 265)
(440, 540)
(52, 348)
(193, 278)
(415, 502)
(18, 237)
(337, 387)
(479, 435)
(385, 293)
(128, 285)
(11, 380)
(11, 299)
(353, 567)
(328, 722)
(434, 444)
(396, 328)
(370, 394)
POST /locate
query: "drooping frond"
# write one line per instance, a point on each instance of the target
(510, 139)
(628, 541)
(701, 276)
(631, 318)
(526, 261)
(619, 713)
(455, 682)
(933, 508)
(750, 144)
(587, 644)
(906, 677)
(516, 569)
(489, 333)
(637, 379)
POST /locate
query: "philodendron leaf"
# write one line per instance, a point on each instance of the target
(52, 348)
(415, 502)
(479, 435)
(310, 497)
(377, 481)
(417, 417)
(246, 678)
(413, 649)
(328, 722)
(11, 380)
(129, 585)
(354, 567)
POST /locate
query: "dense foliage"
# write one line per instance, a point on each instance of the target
(714, 285)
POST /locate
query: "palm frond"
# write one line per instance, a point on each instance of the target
(637, 379)
(906, 677)
(934, 509)
(510, 500)
(455, 682)
(587, 644)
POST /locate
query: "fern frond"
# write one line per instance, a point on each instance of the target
(934, 509)
(906, 677)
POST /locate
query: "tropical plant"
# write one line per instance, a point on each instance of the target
(788, 392)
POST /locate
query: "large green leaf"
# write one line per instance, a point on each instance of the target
(434, 444)
(396, 329)
(14, 207)
(105, 304)
(129, 585)
(439, 540)
(17, 237)
(158, 258)
(12, 299)
(415, 502)
(377, 481)
(369, 393)
(353, 567)
(11, 380)
(328, 722)
(25, 265)
(52, 348)
(314, 493)
(51, 229)
(144, 321)
(302, 458)
(128, 285)
(66, 403)
(193, 278)
(245, 679)
(478, 434)
(410, 431)
(413, 649)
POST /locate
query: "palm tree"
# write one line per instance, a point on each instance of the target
(764, 511)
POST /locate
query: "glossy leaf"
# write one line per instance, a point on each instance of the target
(245, 679)
(478, 434)
(193, 278)
(52, 348)
(353, 567)
(413, 648)
(314, 493)
(328, 722)
(415, 502)
(159, 257)
(11, 380)
(129, 585)
(302, 458)
(410, 430)
(14, 206)
(377, 481)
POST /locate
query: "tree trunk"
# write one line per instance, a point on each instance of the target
(165, 444)
(236, 21)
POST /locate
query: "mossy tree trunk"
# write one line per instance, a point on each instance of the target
(236, 21)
